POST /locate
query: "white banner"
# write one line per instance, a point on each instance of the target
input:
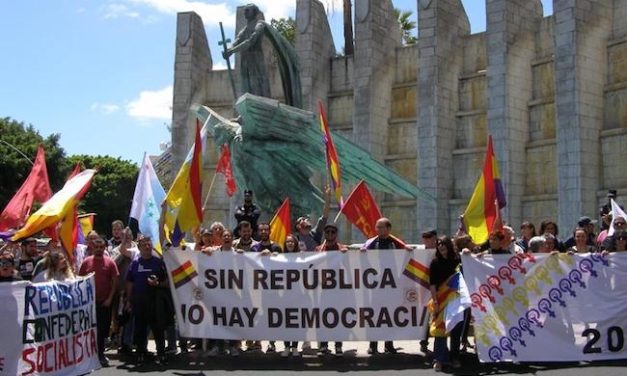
(48, 328)
(326, 296)
(549, 307)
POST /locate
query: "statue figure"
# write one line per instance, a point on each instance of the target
(253, 73)
(276, 148)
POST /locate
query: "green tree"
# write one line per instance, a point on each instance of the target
(406, 24)
(111, 192)
(18, 147)
(287, 27)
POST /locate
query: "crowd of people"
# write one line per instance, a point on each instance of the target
(132, 288)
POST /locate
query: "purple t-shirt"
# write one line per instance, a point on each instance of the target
(139, 271)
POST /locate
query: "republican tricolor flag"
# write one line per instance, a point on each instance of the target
(482, 213)
(61, 207)
(183, 201)
(333, 161)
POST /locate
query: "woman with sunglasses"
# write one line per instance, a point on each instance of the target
(444, 265)
(618, 243)
(7, 267)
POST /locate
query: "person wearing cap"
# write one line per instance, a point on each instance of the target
(309, 239)
(248, 212)
(430, 238)
(587, 224)
(607, 208)
(330, 243)
(28, 259)
(7, 268)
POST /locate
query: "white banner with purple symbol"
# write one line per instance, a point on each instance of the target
(548, 308)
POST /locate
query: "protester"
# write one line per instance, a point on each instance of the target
(537, 244)
(618, 243)
(125, 253)
(217, 345)
(550, 227)
(245, 242)
(550, 243)
(106, 277)
(429, 240)
(7, 268)
(383, 240)
(527, 231)
(509, 241)
(496, 242)
(605, 242)
(443, 266)
(309, 239)
(203, 240)
(581, 242)
(117, 229)
(330, 243)
(147, 288)
(265, 246)
(58, 269)
(586, 224)
(28, 259)
(290, 246)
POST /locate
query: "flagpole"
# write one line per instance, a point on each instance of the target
(204, 205)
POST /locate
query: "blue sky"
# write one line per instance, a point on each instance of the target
(100, 73)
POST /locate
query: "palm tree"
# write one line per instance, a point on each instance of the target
(407, 26)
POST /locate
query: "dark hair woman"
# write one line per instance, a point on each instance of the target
(443, 266)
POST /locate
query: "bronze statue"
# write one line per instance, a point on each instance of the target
(253, 72)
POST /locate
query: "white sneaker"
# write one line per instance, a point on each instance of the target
(234, 351)
(214, 351)
(295, 352)
(285, 353)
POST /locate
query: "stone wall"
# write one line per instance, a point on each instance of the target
(552, 91)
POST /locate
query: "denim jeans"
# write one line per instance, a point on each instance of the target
(441, 352)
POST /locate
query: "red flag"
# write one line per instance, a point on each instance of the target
(281, 224)
(224, 167)
(36, 187)
(361, 210)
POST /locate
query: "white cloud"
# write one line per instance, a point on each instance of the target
(220, 65)
(211, 13)
(152, 105)
(117, 10)
(104, 108)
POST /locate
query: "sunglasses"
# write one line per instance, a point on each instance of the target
(5, 263)
(330, 231)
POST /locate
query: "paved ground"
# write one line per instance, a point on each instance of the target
(409, 361)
